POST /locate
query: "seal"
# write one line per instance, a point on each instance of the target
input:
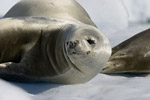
(131, 56)
(64, 9)
(51, 50)
(51, 41)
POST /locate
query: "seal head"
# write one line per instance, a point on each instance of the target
(87, 50)
(77, 53)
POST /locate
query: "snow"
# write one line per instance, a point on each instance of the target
(122, 35)
(5, 5)
(102, 87)
(10, 92)
(109, 15)
(113, 22)
(139, 10)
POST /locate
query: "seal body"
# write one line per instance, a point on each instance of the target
(51, 50)
(52, 41)
(64, 9)
(131, 56)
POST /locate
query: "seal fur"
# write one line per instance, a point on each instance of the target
(52, 41)
(51, 50)
(64, 9)
(131, 56)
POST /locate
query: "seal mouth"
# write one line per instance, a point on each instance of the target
(73, 48)
(71, 51)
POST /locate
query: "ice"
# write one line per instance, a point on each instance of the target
(11, 92)
(102, 87)
(5, 5)
(139, 10)
(122, 35)
(109, 15)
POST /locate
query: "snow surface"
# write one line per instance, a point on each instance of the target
(109, 15)
(139, 10)
(122, 35)
(102, 87)
(11, 92)
(5, 5)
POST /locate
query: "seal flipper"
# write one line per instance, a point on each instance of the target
(32, 67)
(13, 72)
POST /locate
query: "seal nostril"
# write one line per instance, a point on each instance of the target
(67, 43)
(72, 44)
(88, 52)
(90, 41)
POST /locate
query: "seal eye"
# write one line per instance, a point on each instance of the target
(90, 41)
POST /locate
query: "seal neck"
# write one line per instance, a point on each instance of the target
(55, 51)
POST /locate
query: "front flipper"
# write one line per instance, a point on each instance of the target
(15, 72)
(32, 67)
